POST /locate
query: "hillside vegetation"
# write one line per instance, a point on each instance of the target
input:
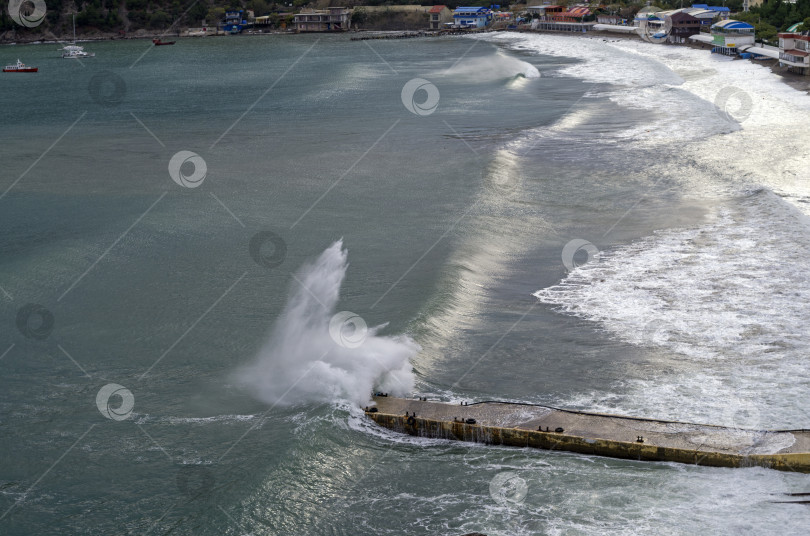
(122, 17)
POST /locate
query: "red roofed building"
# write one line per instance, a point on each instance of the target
(438, 16)
(572, 15)
(558, 18)
(794, 50)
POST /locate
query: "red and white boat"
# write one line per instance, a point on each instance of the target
(20, 67)
(158, 42)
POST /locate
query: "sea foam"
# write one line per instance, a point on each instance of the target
(301, 362)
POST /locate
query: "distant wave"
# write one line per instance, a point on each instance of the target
(493, 67)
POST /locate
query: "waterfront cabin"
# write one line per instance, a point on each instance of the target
(439, 16)
(234, 22)
(646, 15)
(542, 11)
(705, 16)
(472, 17)
(719, 11)
(684, 26)
(729, 35)
(546, 13)
(575, 14)
(794, 50)
(332, 19)
(616, 20)
(557, 18)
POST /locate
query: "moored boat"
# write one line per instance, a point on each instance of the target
(74, 51)
(20, 67)
(158, 42)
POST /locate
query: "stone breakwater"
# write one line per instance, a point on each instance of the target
(523, 425)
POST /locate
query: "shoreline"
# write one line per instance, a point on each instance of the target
(796, 81)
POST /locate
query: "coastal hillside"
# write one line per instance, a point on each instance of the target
(112, 18)
(127, 18)
(97, 18)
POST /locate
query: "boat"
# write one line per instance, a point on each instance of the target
(159, 43)
(598, 434)
(20, 67)
(74, 51)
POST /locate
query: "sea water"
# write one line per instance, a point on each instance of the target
(587, 223)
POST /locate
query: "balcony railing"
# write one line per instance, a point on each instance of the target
(790, 58)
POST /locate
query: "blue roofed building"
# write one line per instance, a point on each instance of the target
(730, 35)
(235, 21)
(719, 11)
(722, 12)
(472, 17)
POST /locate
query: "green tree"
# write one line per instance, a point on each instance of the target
(359, 16)
(765, 31)
(259, 7)
(159, 20)
(215, 15)
(197, 12)
(136, 5)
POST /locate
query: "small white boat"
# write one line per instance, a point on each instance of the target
(74, 51)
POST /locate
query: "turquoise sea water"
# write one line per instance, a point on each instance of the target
(451, 220)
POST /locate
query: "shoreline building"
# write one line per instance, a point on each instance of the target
(720, 11)
(439, 16)
(615, 20)
(684, 26)
(705, 16)
(557, 18)
(794, 50)
(472, 17)
(729, 35)
(332, 19)
(234, 22)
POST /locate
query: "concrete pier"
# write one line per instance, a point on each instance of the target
(525, 425)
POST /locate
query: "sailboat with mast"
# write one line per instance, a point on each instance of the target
(74, 51)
